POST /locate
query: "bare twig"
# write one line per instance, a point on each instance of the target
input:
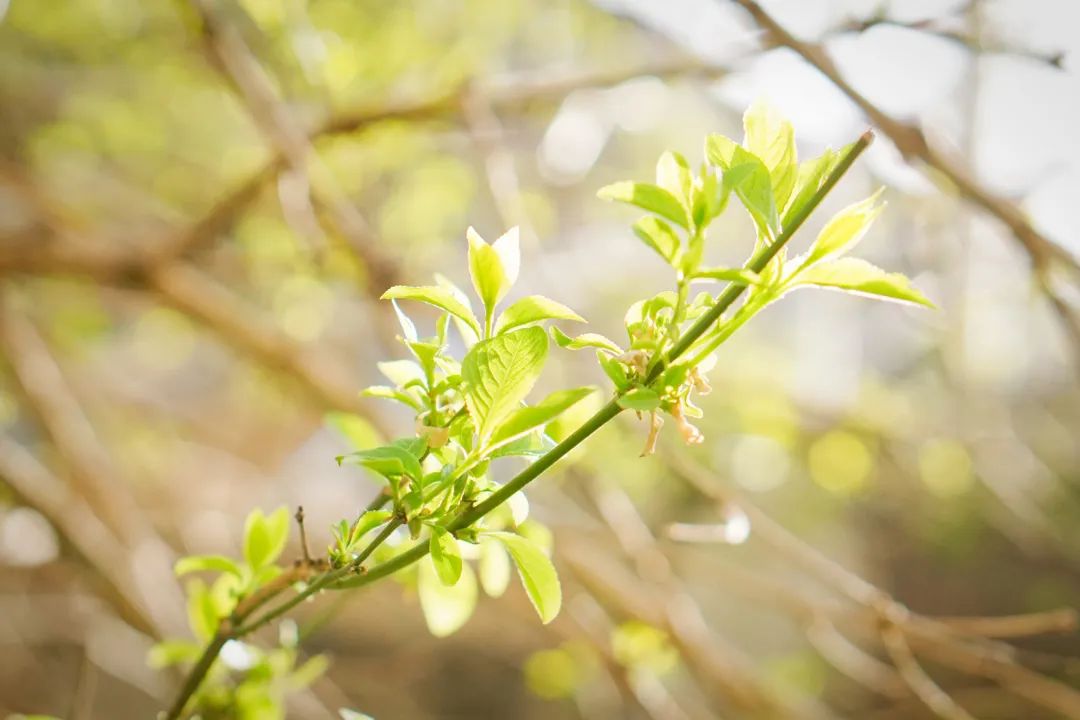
(924, 687)
(913, 145)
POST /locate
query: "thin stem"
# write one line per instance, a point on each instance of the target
(603, 416)
(762, 258)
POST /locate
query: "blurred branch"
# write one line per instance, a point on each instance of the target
(932, 26)
(47, 395)
(924, 687)
(912, 144)
(933, 638)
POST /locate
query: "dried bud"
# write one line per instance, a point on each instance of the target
(701, 385)
(690, 434)
(638, 360)
(655, 423)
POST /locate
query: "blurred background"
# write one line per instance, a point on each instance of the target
(201, 201)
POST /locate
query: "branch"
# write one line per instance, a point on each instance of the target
(912, 144)
(924, 687)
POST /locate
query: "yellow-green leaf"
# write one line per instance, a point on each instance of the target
(537, 574)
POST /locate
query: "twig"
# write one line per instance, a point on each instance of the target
(924, 687)
(303, 535)
(912, 144)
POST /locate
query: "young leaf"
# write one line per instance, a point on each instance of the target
(593, 340)
(538, 575)
(368, 522)
(739, 276)
(356, 430)
(387, 393)
(499, 372)
(199, 563)
(658, 235)
(772, 139)
(388, 461)
(844, 231)
(673, 175)
(720, 150)
(446, 607)
(494, 568)
(533, 309)
(440, 297)
(640, 399)
(265, 536)
(754, 189)
(408, 329)
(862, 278)
(494, 268)
(202, 616)
(525, 419)
(811, 173)
(647, 197)
(445, 555)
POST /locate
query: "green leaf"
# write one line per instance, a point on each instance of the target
(533, 309)
(640, 399)
(401, 372)
(347, 714)
(369, 521)
(445, 555)
(309, 672)
(720, 150)
(265, 536)
(494, 268)
(739, 276)
(754, 189)
(658, 235)
(844, 231)
(384, 392)
(538, 575)
(356, 430)
(440, 297)
(499, 372)
(673, 175)
(202, 616)
(588, 340)
(531, 445)
(388, 461)
(771, 138)
(446, 607)
(173, 652)
(525, 419)
(408, 329)
(212, 563)
(862, 278)
(494, 568)
(647, 197)
(811, 174)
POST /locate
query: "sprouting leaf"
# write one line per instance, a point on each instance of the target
(408, 329)
(440, 297)
(499, 372)
(533, 308)
(494, 268)
(355, 429)
(494, 568)
(647, 197)
(538, 575)
(523, 420)
(720, 150)
(265, 536)
(754, 189)
(772, 139)
(710, 197)
(641, 399)
(446, 607)
(401, 372)
(309, 672)
(445, 555)
(200, 563)
(739, 276)
(658, 235)
(386, 393)
(862, 278)
(588, 340)
(369, 521)
(673, 175)
(388, 461)
(844, 231)
(202, 616)
(810, 176)
(173, 652)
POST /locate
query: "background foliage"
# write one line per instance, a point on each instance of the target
(200, 204)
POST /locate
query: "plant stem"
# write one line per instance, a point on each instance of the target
(335, 577)
(761, 258)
